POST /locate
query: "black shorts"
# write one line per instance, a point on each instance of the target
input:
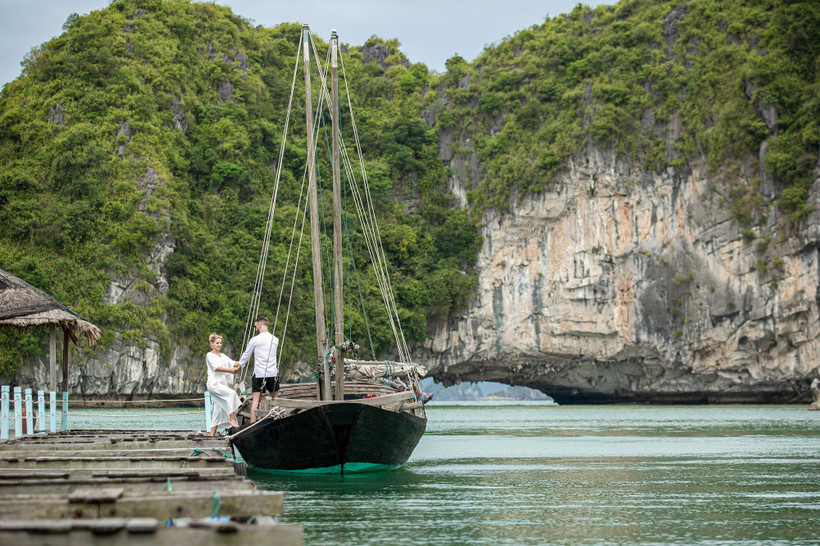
(271, 384)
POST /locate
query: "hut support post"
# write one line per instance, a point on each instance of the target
(66, 358)
(52, 358)
(41, 412)
(18, 412)
(65, 410)
(29, 428)
(4, 424)
(52, 398)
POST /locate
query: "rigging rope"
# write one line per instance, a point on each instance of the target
(365, 210)
(260, 271)
(367, 219)
(382, 268)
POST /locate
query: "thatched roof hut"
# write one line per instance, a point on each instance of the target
(23, 306)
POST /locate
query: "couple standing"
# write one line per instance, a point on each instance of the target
(263, 347)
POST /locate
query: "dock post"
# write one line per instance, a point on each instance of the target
(208, 410)
(18, 412)
(4, 419)
(65, 410)
(41, 412)
(29, 416)
(52, 398)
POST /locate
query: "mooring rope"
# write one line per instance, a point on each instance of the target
(217, 504)
(119, 414)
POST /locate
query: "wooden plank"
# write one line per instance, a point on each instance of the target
(94, 463)
(132, 486)
(188, 451)
(105, 494)
(237, 504)
(12, 474)
(142, 472)
(113, 439)
(7, 475)
(149, 531)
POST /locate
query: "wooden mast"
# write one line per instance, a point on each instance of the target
(319, 299)
(338, 300)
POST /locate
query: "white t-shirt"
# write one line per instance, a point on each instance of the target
(263, 348)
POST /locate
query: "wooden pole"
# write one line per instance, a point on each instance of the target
(338, 301)
(52, 358)
(66, 340)
(315, 246)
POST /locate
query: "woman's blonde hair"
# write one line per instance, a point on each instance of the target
(213, 337)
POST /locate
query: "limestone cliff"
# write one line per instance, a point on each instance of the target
(617, 284)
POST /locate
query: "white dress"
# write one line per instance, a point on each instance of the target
(225, 399)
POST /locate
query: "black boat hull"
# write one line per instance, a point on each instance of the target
(342, 438)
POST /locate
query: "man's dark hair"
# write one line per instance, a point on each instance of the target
(263, 319)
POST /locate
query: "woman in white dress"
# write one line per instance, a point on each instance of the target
(225, 399)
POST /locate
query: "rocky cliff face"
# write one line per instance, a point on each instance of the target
(617, 284)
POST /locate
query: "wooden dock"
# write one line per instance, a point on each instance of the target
(132, 487)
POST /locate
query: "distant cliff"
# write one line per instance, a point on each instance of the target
(624, 285)
(648, 190)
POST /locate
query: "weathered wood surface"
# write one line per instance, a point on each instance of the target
(105, 439)
(191, 504)
(123, 487)
(103, 451)
(384, 400)
(191, 473)
(137, 485)
(148, 531)
(128, 463)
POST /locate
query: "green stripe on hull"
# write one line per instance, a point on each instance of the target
(350, 468)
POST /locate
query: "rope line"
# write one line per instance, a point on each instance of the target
(119, 414)
(260, 272)
(144, 401)
(217, 504)
(364, 207)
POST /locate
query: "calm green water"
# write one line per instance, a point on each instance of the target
(535, 474)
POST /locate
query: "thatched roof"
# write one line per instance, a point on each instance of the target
(24, 306)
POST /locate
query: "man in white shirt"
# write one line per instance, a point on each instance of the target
(265, 370)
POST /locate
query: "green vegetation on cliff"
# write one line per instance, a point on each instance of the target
(663, 83)
(156, 117)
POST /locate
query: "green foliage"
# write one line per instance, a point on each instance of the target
(661, 83)
(169, 123)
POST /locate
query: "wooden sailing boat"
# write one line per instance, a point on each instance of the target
(374, 416)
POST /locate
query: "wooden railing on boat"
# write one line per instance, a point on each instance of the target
(385, 400)
(302, 396)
